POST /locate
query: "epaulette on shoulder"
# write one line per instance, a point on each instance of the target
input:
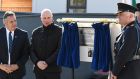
(36, 29)
(57, 26)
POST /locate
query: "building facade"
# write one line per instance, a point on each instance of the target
(61, 6)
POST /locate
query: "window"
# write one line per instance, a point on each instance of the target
(76, 6)
(16, 5)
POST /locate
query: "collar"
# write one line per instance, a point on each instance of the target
(49, 26)
(9, 31)
(129, 25)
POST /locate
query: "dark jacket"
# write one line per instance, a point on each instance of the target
(20, 50)
(125, 48)
(45, 45)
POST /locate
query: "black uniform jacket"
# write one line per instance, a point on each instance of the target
(45, 46)
(125, 48)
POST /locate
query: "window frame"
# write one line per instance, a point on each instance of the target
(76, 7)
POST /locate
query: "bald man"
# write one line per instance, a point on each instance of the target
(45, 45)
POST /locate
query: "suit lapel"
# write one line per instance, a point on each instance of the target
(3, 42)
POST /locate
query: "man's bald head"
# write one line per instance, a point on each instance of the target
(47, 11)
(46, 17)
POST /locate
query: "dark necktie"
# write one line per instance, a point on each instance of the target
(10, 42)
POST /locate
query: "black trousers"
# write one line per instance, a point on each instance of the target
(11, 76)
(130, 71)
(48, 75)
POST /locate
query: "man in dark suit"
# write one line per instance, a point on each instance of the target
(127, 57)
(45, 45)
(14, 48)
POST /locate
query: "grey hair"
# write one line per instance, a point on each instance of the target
(47, 10)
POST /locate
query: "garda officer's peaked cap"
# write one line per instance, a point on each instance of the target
(122, 7)
(138, 6)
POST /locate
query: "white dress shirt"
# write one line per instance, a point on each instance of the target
(7, 35)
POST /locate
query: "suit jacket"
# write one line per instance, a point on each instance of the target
(125, 49)
(20, 50)
(45, 46)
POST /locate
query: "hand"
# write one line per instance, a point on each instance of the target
(9, 68)
(14, 67)
(5, 68)
(113, 76)
(42, 65)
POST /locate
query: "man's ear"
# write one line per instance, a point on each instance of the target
(4, 21)
(131, 15)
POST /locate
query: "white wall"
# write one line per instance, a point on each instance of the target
(60, 6)
(103, 6)
(57, 6)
